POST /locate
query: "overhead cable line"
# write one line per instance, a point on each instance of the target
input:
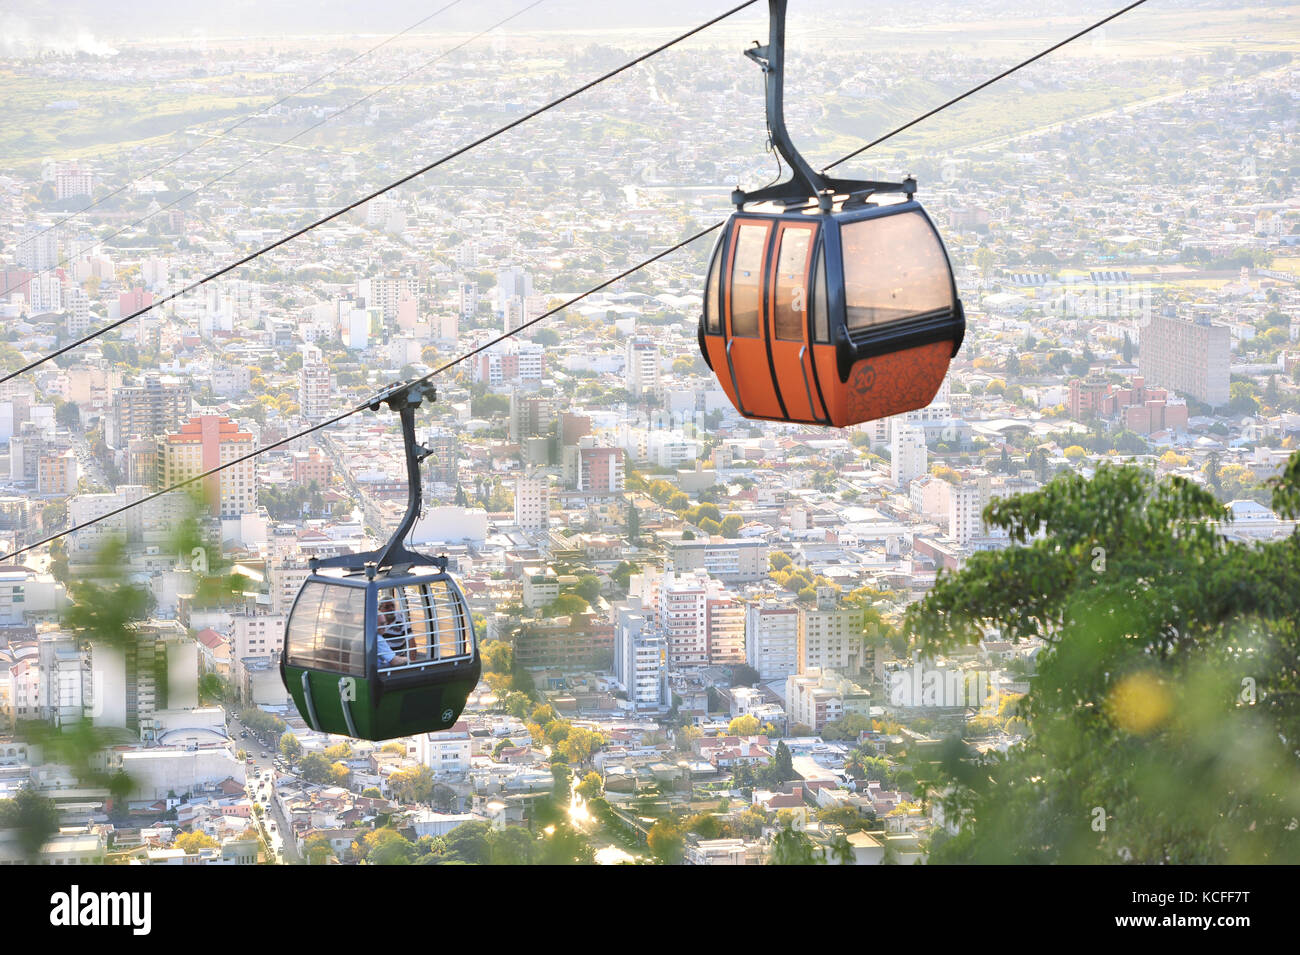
(500, 338)
(989, 82)
(500, 130)
(230, 129)
(280, 145)
(366, 404)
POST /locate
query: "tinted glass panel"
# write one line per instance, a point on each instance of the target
(894, 268)
(420, 624)
(451, 622)
(747, 280)
(712, 314)
(327, 629)
(791, 305)
(821, 321)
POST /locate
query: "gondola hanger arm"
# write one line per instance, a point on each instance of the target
(805, 183)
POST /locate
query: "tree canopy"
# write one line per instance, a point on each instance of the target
(1163, 720)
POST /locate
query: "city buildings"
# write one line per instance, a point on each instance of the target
(315, 393)
(147, 410)
(830, 634)
(907, 453)
(532, 502)
(640, 659)
(733, 561)
(816, 697)
(203, 443)
(642, 366)
(1189, 356)
(617, 444)
(772, 639)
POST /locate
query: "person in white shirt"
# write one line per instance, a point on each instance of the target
(394, 634)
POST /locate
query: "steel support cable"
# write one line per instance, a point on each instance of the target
(500, 338)
(989, 82)
(364, 406)
(230, 129)
(275, 147)
(500, 130)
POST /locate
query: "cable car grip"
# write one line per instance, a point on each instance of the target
(804, 182)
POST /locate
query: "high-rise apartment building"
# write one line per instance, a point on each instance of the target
(1188, 356)
(132, 300)
(907, 453)
(77, 304)
(641, 658)
(510, 361)
(468, 300)
(57, 473)
(158, 669)
(442, 465)
(642, 370)
(72, 179)
(683, 617)
(147, 410)
(314, 392)
(772, 639)
(830, 634)
(599, 471)
(530, 417)
(201, 444)
(514, 282)
(392, 294)
(725, 625)
(532, 502)
(38, 247)
(45, 294)
(965, 511)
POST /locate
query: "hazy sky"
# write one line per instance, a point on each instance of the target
(90, 24)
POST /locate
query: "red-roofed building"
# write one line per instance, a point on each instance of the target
(203, 443)
(214, 649)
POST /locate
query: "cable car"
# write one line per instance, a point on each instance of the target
(382, 644)
(823, 304)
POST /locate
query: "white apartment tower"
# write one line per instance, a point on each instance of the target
(468, 300)
(642, 368)
(77, 305)
(683, 617)
(314, 385)
(532, 502)
(965, 506)
(38, 247)
(830, 634)
(640, 658)
(907, 453)
(514, 282)
(45, 294)
(772, 639)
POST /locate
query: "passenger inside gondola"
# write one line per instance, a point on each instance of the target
(394, 634)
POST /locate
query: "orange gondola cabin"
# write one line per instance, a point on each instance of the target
(825, 304)
(831, 318)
